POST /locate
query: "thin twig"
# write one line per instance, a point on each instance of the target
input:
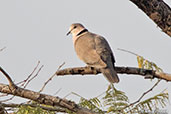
(33, 76)
(24, 81)
(72, 93)
(2, 48)
(101, 94)
(128, 51)
(7, 99)
(143, 94)
(57, 91)
(50, 78)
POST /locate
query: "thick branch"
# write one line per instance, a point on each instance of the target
(158, 11)
(45, 99)
(34, 106)
(121, 70)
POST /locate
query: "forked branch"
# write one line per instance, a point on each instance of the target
(40, 98)
(45, 99)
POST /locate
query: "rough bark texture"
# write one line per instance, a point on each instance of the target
(2, 109)
(12, 105)
(158, 11)
(121, 70)
(44, 99)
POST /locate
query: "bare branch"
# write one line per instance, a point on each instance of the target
(11, 83)
(45, 99)
(50, 78)
(143, 95)
(57, 91)
(78, 71)
(33, 76)
(44, 85)
(121, 70)
(162, 75)
(128, 51)
(41, 98)
(158, 11)
(24, 81)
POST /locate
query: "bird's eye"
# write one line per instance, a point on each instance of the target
(75, 27)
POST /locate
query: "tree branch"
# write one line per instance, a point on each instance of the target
(30, 77)
(41, 98)
(11, 83)
(143, 95)
(12, 105)
(44, 85)
(121, 70)
(45, 99)
(158, 11)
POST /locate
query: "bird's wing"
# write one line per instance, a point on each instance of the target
(103, 50)
(85, 47)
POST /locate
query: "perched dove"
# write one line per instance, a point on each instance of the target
(94, 51)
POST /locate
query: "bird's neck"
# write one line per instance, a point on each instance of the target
(77, 36)
(83, 31)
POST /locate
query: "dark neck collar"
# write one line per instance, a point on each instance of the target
(85, 30)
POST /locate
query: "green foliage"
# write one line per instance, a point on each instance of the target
(92, 104)
(116, 102)
(151, 104)
(114, 99)
(32, 110)
(146, 64)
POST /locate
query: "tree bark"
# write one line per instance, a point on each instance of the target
(45, 99)
(158, 11)
(13, 105)
(121, 70)
(2, 109)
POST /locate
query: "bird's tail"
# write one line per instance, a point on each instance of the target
(110, 74)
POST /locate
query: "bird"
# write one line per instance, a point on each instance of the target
(94, 50)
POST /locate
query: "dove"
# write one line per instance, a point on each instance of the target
(94, 50)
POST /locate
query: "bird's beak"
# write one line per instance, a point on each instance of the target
(68, 33)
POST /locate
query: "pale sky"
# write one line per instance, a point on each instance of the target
(35, 30)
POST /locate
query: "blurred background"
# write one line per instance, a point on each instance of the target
(35, 30)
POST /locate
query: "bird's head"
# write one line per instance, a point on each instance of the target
(75, 29)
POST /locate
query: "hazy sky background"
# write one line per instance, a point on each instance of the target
(35, 30)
